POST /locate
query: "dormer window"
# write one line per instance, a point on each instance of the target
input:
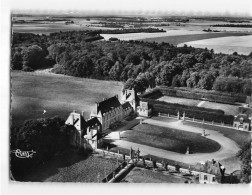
(241, 120)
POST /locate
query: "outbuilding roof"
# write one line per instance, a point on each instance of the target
(126, 105)
(242, 116)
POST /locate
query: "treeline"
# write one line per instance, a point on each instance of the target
(132, 30)
(210, 95)
(139, 64)
(233, 25)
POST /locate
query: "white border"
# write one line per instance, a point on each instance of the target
(115, 6)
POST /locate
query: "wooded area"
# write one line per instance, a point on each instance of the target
(139, 64)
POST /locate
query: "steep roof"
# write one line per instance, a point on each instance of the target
(108, 105)
(244, 116)
(129, 97)
(126, 105)
(92, 121)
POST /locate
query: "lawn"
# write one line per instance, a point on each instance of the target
(177, 100)
(141, 175)
(72, 167)
(227, 108)
(170, 139)
(240, 137)
(32, 93)
(175, 40)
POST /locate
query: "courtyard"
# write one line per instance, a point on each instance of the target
(224, 149)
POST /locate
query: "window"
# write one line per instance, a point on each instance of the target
(205, 177)
(213, 180)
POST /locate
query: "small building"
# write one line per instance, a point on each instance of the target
(242, 122)
(144, 109)
(206, 178)
(211, 172)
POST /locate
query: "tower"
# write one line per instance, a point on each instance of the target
(129, 95)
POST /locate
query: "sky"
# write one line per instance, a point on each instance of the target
(138, 7)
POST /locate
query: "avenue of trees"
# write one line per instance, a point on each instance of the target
(139, 64)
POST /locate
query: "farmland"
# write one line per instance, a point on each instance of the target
(32, 93)
(182, 39)
(170, 139)
(140, 36)
(228, 45)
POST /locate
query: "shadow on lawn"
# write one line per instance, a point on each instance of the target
(46, 169)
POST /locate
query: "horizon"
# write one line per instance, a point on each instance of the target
(214, 8)
(126, 14)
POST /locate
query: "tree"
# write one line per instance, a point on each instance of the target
(206, 81)
(17, 61)
(245, 156)
(46, 136)
(176, 81)
(247, 87)
(193, 80)
(115, 71)
(33, 56)
(184, 77)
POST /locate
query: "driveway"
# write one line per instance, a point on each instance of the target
(228, 147)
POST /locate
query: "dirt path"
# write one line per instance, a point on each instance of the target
(228, 147)
(199, 104)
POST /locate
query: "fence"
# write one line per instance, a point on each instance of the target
(201, 121)
(129, 163)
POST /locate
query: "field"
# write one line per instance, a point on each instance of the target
(228, 45)
(170, 139)
(141, 175)
(240, 137)
(72, 167)
(181, 39)
(139, 36)
(32, 93)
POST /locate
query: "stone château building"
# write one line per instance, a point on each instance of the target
(91, 130)
(111, 110)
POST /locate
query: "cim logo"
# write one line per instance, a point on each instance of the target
(23, 154)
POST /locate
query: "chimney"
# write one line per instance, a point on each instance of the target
(82, 113)
(73, 111)
(72, 119)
